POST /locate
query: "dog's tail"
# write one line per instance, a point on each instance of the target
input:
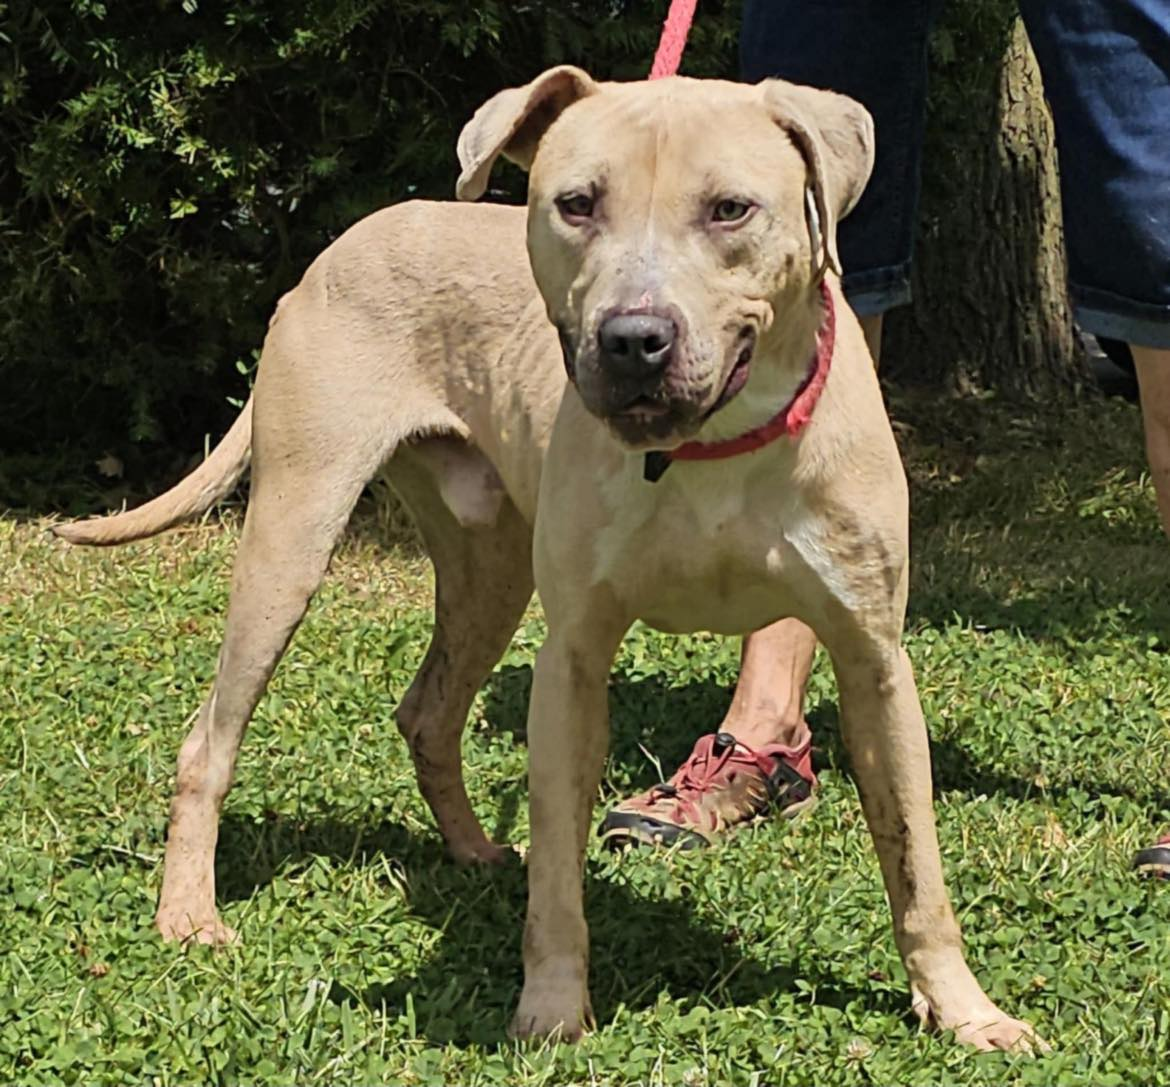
(191, 496)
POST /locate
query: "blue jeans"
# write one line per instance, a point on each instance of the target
(1106, 71)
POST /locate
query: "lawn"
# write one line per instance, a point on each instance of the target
(1040, 631)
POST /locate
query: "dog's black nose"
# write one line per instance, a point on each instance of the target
(637, 344)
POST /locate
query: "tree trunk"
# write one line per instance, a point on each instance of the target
(990, 308)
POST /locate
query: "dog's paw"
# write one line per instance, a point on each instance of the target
(979, 1023)
(1006, 1033)
(180, 926)
(544, 1012)
(487, 853)
(483, 851)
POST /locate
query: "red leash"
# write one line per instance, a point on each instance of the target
(674, 38)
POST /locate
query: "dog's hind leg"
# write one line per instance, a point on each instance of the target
(481, 549)
(307, 475)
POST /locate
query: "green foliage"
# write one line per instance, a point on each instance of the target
(1039, 633)
(167, 170)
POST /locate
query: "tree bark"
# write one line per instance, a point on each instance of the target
(990, 307)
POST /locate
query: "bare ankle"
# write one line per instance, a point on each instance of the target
(768, 704)
(791, 732)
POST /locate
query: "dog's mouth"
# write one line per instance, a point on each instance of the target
(568, 354)
(738, 375)
(646, 421)
(645, 410)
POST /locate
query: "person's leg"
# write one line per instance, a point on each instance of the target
(876, 53)
(768, 704)
(1107, 80)
(1106, 74)
(1153, 371)
(871, 326)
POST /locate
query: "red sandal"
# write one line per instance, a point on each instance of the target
(722, 784)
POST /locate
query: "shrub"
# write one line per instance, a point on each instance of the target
(167, 170)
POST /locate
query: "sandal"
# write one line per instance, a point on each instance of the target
(1155, 861)
(722, 784)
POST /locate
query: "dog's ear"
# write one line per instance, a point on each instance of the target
(512, 123)
(835, 136)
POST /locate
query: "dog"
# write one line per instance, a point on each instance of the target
(646, 392)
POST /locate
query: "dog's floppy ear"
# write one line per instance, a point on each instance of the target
(512, 123)
(835, 136)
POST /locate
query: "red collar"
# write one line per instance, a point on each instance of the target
(789, 421)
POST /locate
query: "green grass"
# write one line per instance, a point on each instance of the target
(1040, 630)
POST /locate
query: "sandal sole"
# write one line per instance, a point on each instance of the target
(1154, 863)
(621, 837)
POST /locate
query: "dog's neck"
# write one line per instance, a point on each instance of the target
(780, 367)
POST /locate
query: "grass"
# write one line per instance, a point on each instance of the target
(1040, 629)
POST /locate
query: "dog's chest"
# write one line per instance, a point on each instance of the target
(713, 551)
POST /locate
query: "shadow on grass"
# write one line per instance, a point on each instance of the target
(466, 991)
(1066, 614)
(642, 945)
(692, 709)
(1030, 520)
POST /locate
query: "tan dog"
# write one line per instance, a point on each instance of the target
(679, 232)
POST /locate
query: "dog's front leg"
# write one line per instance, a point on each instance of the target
(568, 736)
(887, 741)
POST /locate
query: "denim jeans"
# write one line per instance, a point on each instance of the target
(1106, 71)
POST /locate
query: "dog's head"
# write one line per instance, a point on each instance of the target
(668, 222)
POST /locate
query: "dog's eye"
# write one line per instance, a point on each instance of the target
(731, 211)
(576, 207)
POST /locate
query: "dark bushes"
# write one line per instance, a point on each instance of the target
(167, 170)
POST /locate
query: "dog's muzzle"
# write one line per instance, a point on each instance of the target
(633, 374)
(636, 355)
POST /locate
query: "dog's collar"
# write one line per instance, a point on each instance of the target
(790, 420)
